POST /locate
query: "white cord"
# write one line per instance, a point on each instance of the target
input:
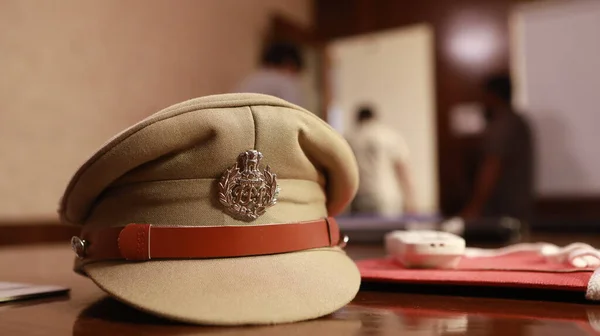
(578, 255)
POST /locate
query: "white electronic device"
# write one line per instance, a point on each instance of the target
(425, 248)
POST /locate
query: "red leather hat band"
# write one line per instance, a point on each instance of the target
(138, 242)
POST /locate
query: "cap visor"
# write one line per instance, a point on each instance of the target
(269, 289)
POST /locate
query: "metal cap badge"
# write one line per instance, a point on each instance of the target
(245, 191)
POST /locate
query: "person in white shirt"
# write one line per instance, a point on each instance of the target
(278, 75)
(385, 187)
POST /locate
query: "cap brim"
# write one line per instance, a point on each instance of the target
(123, 320)
(269, 289)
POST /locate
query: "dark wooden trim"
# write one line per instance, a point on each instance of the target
(573, 208)
(40, 232)
(281, 28)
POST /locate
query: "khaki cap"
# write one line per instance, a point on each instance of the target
(218, 210)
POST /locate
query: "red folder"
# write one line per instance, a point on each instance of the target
(519, 269)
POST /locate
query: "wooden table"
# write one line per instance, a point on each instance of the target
(87, 311)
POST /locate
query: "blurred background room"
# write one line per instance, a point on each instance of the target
(472, 109)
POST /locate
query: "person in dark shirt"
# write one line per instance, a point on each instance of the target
(504, 181)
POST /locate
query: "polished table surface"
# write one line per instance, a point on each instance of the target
(88, 311)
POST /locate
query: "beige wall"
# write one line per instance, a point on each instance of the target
(73, 73)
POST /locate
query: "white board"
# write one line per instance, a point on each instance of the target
(393, 71)
(556, 64)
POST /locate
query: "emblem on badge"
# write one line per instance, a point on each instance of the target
(245, 191)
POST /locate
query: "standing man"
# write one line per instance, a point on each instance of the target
(279, 74)
(504, 182)
(386, 186)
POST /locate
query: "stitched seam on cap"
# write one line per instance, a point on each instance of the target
(253, 127)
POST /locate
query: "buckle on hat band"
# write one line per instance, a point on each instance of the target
(139, 242)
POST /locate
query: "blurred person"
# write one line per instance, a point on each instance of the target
(504, 181)
(279, 73)
(386, 186)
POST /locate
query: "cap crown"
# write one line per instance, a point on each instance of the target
(170, 168)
